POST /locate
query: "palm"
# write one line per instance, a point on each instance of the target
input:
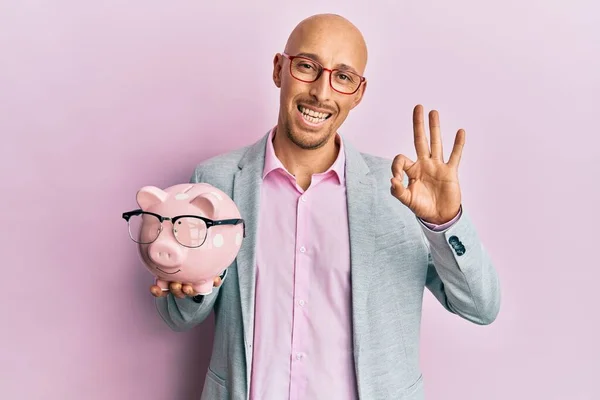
(433, 191)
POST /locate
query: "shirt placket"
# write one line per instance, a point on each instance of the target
(300, 356)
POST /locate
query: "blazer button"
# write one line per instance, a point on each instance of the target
(456, 244)
(453, 240)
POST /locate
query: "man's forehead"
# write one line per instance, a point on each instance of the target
(331, 40)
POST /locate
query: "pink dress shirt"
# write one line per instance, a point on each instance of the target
(303, 327)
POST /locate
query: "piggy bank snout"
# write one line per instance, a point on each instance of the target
(165, 254)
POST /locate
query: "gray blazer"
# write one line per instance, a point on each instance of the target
(393, 258)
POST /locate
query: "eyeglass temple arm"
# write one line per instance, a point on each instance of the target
(233, 222)
(128, 214)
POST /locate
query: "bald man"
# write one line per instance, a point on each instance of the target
(324, 299)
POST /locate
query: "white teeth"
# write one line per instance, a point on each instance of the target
(313, 116)
(312, 119)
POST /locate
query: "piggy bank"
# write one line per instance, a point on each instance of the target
(188, 233)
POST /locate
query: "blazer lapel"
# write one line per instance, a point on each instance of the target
(361, 192)
(246, 194)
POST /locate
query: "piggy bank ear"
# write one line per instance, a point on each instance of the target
(208, 203)
(149, 196)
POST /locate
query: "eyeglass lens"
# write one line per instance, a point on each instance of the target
(307, 70)
(145, 228)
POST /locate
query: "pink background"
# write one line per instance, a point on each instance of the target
(99, 98)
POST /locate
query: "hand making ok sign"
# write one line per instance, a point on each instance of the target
(433, 192)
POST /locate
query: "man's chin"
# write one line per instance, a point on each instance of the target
(308, 139)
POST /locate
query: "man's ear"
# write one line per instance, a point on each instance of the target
(359, 95)
(277, 60)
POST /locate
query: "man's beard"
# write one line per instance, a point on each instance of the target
(304, 144)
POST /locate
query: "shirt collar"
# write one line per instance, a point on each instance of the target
(273, 163)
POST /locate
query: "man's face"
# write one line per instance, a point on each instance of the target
(311, 113)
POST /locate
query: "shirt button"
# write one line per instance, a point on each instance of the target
(301, 302)
(299, 356)
(303, 198)
(302, 249)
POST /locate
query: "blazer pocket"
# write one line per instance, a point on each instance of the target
(390, 239)
(414, 391)
(214, 387)
(210, 374)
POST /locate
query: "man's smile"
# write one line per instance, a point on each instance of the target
(312, 116)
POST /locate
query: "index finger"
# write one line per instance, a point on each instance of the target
(419, 131)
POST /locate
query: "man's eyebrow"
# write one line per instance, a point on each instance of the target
(341, 66)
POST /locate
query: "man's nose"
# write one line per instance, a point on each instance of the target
(321, 89)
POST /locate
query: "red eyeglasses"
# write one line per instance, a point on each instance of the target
(308, 70)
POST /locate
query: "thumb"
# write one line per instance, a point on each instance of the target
(217, 282)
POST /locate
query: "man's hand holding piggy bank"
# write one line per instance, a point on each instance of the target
(187, 235)
(180, 290)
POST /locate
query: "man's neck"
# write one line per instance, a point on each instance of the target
(304, 163)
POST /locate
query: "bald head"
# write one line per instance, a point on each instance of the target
(332, 33)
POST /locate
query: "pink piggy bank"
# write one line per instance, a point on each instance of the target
(188, 233)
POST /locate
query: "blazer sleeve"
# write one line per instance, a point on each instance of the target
(183, 314)
(460, 273)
